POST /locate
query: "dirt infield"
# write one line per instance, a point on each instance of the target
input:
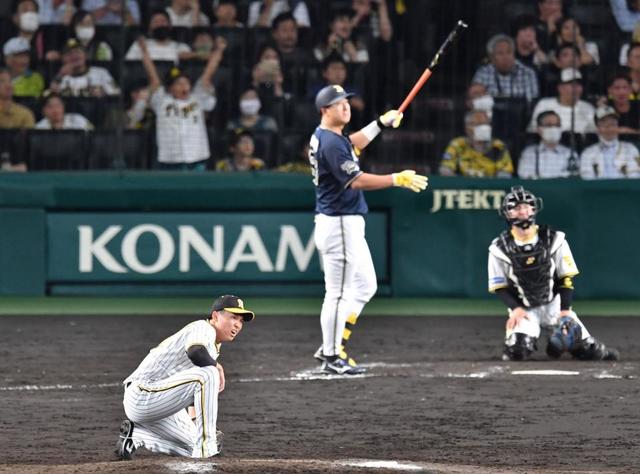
(436, 398)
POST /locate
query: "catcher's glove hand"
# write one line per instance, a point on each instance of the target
(567, 337)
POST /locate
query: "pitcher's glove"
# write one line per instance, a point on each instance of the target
(410, 180)
(566, 337)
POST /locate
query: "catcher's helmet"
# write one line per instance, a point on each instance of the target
(518, 195)
(329, 95)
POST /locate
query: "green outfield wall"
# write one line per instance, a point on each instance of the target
(198, 234)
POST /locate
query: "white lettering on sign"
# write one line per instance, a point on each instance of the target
(249, 248)
(468, 199)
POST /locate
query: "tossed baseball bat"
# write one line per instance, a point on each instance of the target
(434, 62)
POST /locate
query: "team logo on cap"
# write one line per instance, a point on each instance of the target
(240, 303)
(339, 89)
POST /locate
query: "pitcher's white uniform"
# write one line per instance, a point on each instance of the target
(181, 131)
(158, 392)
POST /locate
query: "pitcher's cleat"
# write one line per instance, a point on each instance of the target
(125, 447)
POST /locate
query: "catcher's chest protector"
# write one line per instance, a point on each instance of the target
(532, 265)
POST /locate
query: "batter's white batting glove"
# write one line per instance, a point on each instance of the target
(392, 118)
(410, 180)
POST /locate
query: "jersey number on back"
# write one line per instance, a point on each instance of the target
(313, 149)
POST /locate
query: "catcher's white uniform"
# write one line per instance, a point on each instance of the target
(561, 265)
(158, 392)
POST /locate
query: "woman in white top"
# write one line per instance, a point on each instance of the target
(55, 117)
(160, 45)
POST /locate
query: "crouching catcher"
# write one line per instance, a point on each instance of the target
(531, 269)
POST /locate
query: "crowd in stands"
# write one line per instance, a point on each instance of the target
(228, 85)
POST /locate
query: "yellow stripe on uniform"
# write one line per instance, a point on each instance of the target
(346, 334)
(352, 318)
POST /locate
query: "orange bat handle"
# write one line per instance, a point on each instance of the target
(416, 88)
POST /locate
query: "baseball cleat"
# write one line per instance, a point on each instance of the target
(125, 447)
(341, 367)
(611, 354)
(219, 439)
(319, 355)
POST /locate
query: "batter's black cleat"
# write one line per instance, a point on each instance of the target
(611, 354)
(125, 447)
(342, 367)
(319, 355)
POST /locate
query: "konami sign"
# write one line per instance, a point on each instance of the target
(249, 247)
(191, 247)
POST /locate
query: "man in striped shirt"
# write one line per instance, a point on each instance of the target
(504, 76)
(181, 372)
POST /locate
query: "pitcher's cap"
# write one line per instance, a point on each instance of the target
(234, 305)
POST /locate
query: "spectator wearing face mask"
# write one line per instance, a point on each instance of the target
(610, 158)
(478, 98)
(250, 118)
(84, 30)
(477, 154)
(27, 20)
(203, 44)
(549, 158)
(111, 12)
(159, 44)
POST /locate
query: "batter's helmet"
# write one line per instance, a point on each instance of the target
(519, 195)
(329, 95)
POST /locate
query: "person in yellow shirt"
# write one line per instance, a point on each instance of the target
(12, 115)
(26, 83)
(477, 154)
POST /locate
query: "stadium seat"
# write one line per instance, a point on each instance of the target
(57, 150)
(13, 145)
(98, 110)
(509, 121)
(103, 149)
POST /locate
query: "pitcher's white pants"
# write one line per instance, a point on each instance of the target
(161, 422)
(546, 316)
(349, 275)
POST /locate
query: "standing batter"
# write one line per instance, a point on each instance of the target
(349, 274)
(531, 269)
(181, 372)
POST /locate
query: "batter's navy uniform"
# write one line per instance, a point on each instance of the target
(349, 274)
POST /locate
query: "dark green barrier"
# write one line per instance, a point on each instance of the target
(432, 244)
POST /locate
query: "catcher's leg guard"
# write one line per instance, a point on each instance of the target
(519, 346)
(592, 349)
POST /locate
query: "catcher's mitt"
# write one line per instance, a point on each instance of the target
(567, 337)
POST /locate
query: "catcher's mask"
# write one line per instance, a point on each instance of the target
(518, 195)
